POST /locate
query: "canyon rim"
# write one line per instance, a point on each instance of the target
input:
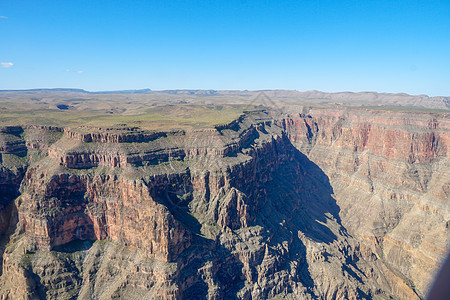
(193, 194)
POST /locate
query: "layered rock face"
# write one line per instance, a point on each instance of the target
(390, 175)
(297, 206)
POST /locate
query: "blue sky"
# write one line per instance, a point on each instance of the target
(384, 46)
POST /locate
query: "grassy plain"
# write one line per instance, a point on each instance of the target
(148, 112)
(182, 109)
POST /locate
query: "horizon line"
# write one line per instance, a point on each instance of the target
(147, 90)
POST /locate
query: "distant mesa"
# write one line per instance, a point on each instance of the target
(123, 92)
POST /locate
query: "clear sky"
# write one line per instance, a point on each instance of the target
(384, 46)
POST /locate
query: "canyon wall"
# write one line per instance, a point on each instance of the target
(390, 174)
(329, 203)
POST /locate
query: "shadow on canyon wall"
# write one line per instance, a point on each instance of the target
(9, 190)
(298, 199)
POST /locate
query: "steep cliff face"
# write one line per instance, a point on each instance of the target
(69, 207)
(389, 172)
(299, 206)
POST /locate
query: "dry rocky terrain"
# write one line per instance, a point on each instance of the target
(273, 197)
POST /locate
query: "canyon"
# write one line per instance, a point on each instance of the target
(288, 200)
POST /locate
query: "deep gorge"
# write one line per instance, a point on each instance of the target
(327, 203)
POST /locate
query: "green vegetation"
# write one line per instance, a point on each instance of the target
(149, 112)
(169, 117)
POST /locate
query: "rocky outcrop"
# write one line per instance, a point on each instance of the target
(148, 148)
(10, 141)
(111, 135)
